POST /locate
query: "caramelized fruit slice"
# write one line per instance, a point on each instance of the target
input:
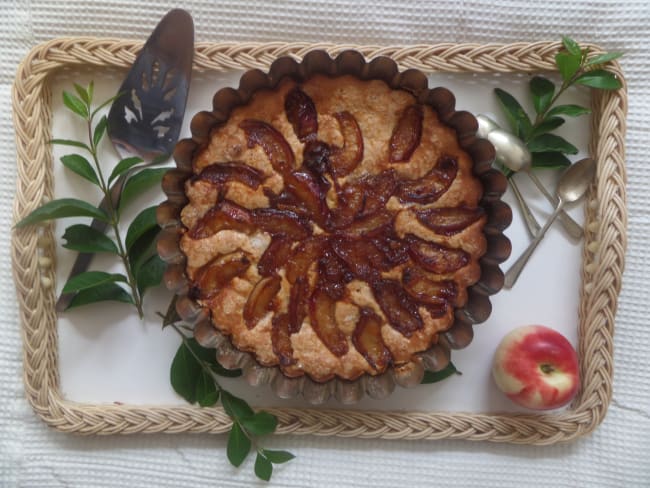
(367, 340)
(306, 253)
(370, 226)
(275, 256)
(333, 274)
(351, 199)
(281, 339)
(436, 258)
(316, 159)
(305, 187)
(399, 308)
(406, 135)
(298, 301)
(323, 321)
(301, 113)
(344, 159)
(281, 222)
(212, 277)
(449, 220)
(377, 190)
(260, 299)
(394, 249)
(225, 215)
(220, 173)
(363, 257)
(431, 186)
(274, 145)
(435, 293)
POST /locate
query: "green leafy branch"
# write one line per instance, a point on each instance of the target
(142, 266)
(577, 67)
(193, 375)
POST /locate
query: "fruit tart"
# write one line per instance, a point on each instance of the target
(334, 222)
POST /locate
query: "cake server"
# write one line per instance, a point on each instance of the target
(145, 120)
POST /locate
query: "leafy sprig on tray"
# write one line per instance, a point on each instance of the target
(577, 66)
(143, 268)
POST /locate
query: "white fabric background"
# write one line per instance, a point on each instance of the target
(616, 454)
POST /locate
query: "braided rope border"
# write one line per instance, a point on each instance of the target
(603, 255)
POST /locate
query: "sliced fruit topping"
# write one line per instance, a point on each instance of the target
(436, 258)
(226, 215)
(431, 186)
(316, 159)
(351, 199)
(344, 159)
(323, 321)
(275, 256)
(370, 226)
(398, 307)
(367, 340)
(449, 220)
(260, 299)
(378, 189)
(395, 250)
(272, 142)
(305, 188)
(362, 257)
(281, 222)
(303, 256)
(301, 113)
(212, 277)
(298, 302)
(220, 173)
(406, 135)
(333, 274)
(281, 339)
(429, 291)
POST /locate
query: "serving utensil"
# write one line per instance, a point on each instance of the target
(145, 119)
(514, 154)
(572, 186)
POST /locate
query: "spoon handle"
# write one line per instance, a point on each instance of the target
(513, 273)
(531, 222)
(571, 226)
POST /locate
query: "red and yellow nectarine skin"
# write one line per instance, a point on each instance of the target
(536, 367)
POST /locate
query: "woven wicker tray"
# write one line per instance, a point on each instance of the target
(602, 266)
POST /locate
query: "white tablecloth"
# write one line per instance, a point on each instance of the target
(616, 454)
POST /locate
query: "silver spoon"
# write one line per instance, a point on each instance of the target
(572, 186)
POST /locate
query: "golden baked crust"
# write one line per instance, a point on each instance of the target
(388, 269)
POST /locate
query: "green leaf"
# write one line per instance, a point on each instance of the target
(599, 78)
(571, 46)
(207, 393)
(75, 104)
(122, 166)
(101, 293)
(83, 94)
(261, 423)
(140, 183)
(568, 64)
(80, 165)
(235, 407)
(434, 377)
(90, 279)
(143, 248)
(551, 142)
(570, 110)
(238, 445)
(516, 115)
(278, 457)
(542, 91)
(61, 208)
(69, 142)
(142, 223)
(184, 373)
(550, 159)
(547, 125)
(150, 274)
(263, 467)
(603, 58)
(91, 91)
(100, 130)
(83, 238)
(171, 316)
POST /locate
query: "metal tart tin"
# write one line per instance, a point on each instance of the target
(476, 310)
